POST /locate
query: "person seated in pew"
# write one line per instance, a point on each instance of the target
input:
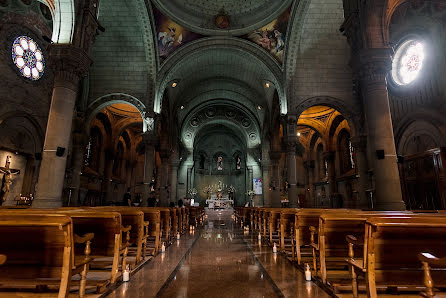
(127, 199)
(171, 205)
(180, 203)
(151, 201)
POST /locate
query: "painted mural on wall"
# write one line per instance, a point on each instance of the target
(272, 36)
(170, 35)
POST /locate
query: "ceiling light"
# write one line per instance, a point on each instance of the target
(267, 85)
(174, 84)
(298, 134)
(259, 107)
(182, 107)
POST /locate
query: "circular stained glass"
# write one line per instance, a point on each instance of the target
(28, 57)
(408, 62)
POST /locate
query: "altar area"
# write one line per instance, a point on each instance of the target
(220, 203)
(219, 196)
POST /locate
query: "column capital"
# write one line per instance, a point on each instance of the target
(149, 138)
(291, 143)
(309, 164)
(164, 154)
(69, 63)
(359, 143)
(375, 64)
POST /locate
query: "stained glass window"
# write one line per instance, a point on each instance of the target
(28, 57)
(408, 62)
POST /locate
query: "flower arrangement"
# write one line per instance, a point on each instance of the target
(192, 192)
(251, 193)
(231, 189)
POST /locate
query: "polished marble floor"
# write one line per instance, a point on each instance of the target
(218, 260)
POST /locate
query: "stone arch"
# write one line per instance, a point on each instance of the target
(109, 99)
(351, 114)
(63, 12)
(173, 63)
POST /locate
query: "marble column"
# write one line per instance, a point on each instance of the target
(292, 142)
(149, 160)
(70, 65)
(164, 178)
(375, 65)
(274, 174)
(360, 148)
(309, 165)
(108, 175)
(331, 178)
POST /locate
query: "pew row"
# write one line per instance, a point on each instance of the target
(43, 251)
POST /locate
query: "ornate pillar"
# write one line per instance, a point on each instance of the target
(331, 178)
(309, 166)
(292, 142)
(70, 65)
(360, 148)
(164, 178)
(375, 65)
(274, 173)
(149, 160)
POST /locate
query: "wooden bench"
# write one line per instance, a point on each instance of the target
(131, 216)
(153, 216)
(329, 243)
(41, 252)
(111, 242)
(391, 248)
(274, 226)
(287, 240)
(303, 220)
(430, 261)
(174, 222)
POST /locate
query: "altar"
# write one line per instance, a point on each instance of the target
(220, 203)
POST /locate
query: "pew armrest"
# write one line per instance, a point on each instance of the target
(82, 239)
(126, 230)
(355, 240)
(146, 229)
(313, 235)
(432, 260)
(2, 259)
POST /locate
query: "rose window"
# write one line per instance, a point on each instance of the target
(28, 57)
(408, 62)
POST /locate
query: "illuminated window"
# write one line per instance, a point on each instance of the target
(28, 57)
(408, 62)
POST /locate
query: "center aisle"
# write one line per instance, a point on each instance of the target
(222, 263)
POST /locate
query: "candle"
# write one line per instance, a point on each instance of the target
(178, 236)
(307, 273)
(260, 236)
(126, 274)
(275, 248)
(163, 248)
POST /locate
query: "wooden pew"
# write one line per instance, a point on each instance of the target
(429, 260)
(274, 226)
(41, 252)
(391, 247)
(174, 222)
(287, 245)
(134, 217)
(111, 242)
(329, 245)
(303, 220)
(153, 216)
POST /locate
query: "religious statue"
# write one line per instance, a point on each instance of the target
(6, 181)
(238, 163)
(231, 191)
(220, 163)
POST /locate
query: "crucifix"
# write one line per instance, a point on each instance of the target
(6, 181)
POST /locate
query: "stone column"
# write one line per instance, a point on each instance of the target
(70, 65)
(309, 165)
(164, 178)
(375, 65)
(266, 184)
(108, 174)
(173, 181)
(331, 178)
(360, 148)
(292, 142)
(149, 160)
(77, 161)
(274, 173)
